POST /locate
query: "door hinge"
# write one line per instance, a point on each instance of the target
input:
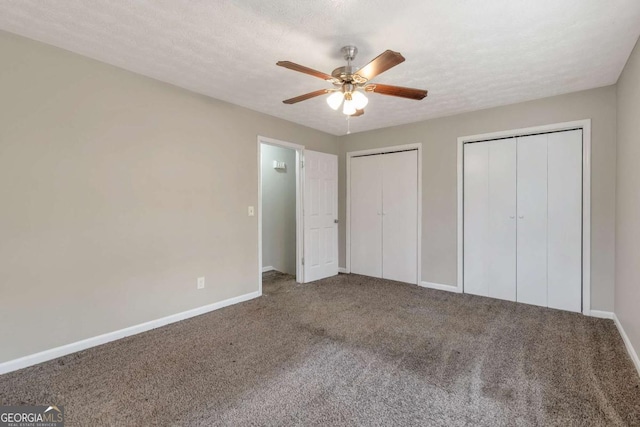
(302, 163)
(302, 260)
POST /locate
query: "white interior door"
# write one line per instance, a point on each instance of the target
(532, 220)
(564, 287)
(320, 215)
(366, 215)
(400, 216)
(490, 219)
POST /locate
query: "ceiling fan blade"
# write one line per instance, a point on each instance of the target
(302, 69)
(380, 64)
(307, 96)
(402, 92)
(358, 113)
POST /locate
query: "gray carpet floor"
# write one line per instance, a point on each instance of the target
(349, 350)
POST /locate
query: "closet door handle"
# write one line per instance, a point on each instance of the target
(512, 216)
(521, 216)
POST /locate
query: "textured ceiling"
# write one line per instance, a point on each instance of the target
(469, 54)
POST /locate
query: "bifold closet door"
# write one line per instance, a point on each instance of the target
(550, 220)
(532, 220)
(564, 241)
(489, 219)
(523, 219)
(366, 215)
(400, 216)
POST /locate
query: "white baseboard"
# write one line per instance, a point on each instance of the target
(343, 270)
(440, 287)
(601, 314)
(632, 352)
(43, 356)
(267, 268)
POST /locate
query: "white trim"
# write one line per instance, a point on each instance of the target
(43, 356)
(602, 314)
(347, 255)
(343, 270)
(460, 232)
(440, 287)
(627, 342)
(419, 278)
(384, 150)
(267, 269)
(299, 149)
(527, 131)
(586, 216)
(586, 195)
(279, 143)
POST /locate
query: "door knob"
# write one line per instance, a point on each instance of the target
(512, 216)
(521, 216)
(335, 221)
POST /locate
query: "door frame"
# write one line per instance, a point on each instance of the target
(299, 149)
(385, 150)
(585, 125)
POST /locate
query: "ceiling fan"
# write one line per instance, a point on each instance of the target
(349, 82)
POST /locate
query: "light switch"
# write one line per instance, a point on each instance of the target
(251, 211)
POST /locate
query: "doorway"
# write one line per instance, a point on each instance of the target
(315, 176)
(280, 208)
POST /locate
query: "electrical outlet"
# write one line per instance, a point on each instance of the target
(200, 282)
(251, 211)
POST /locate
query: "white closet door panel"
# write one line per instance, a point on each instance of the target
(501, 250)
(564, 289)
(366, 215)
(532, 220)
(400, 216)
(476, 218)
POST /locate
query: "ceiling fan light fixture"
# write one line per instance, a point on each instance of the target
(351, 83)
(359, 100)
(349, 108)
(334, 100)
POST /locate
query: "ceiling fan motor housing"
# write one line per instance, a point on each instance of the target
(347, 74)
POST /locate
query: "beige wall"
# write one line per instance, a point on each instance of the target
(439, 191)
(117, 192)
(279, 209)
(627, 297)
